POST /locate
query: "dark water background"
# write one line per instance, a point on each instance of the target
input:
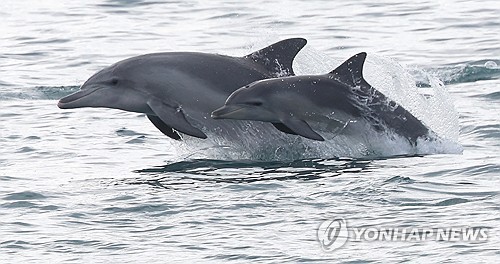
(104, 186)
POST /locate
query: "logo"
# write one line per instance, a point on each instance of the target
(332, 234)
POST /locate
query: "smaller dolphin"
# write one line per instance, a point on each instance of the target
(333, 101)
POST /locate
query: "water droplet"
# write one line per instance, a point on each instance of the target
(490, 65)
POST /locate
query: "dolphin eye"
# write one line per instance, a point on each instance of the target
(114, 81)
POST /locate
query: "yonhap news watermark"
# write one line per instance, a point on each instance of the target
(334, 233)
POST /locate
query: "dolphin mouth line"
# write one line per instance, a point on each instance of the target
(65, 102)
(225, 111)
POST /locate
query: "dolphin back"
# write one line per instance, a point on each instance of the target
(377, 106)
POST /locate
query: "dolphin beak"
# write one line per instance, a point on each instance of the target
(74, 100)
(226, 112)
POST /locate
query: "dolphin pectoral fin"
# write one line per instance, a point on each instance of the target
(174, 117)
(281, 127)
(300, 127)
(164, 128)
(278, 57)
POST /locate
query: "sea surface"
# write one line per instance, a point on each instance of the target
(104, 186)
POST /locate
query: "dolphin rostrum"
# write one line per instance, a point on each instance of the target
(333, 102)
(178, 90)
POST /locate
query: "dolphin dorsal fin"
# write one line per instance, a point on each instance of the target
(278, 57)
(351, 71)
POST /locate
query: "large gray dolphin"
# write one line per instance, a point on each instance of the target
(179, 90)
(332, 102)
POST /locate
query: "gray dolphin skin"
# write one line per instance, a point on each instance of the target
(335, 100)
(178, 90)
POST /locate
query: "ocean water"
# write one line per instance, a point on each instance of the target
(104, 186)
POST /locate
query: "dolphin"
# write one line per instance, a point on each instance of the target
(178, 90)
(333, 102)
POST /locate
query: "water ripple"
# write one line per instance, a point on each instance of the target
(26, 195)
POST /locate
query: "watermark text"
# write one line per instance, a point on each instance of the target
(334, 233)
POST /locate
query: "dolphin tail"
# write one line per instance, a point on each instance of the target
(278, 57)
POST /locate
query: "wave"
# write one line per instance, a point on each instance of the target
(36, 93)
(209, 170)
(482, 70)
